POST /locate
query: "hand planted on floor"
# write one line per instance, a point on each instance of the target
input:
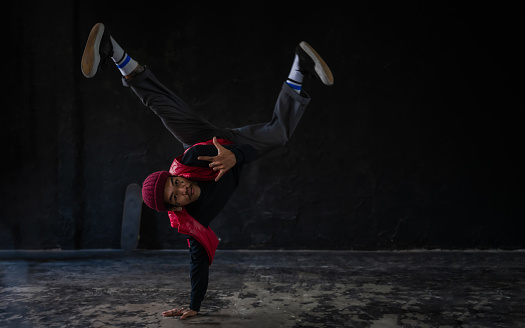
(182, 312)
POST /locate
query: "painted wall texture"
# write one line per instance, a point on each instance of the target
(417, 144)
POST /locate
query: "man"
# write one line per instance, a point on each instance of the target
(200, 181)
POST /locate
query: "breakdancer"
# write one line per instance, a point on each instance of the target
(201, 180)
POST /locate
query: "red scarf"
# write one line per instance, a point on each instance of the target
(182, 220)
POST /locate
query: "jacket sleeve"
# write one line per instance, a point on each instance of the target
(244, 154)
(199, 273)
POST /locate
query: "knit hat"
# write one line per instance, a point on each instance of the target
(153, 190)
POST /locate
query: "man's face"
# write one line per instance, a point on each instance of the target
(180, 191)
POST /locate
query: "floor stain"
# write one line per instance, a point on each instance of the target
(265, 289)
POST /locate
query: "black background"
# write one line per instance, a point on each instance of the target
(417, 145)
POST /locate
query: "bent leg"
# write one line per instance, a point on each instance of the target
(287, 113)
(181, 120)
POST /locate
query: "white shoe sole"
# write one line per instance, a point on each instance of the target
(91, 56)
(324, 72)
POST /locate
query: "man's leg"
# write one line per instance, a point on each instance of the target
(287, 113)
(290, 105)
(182, 121)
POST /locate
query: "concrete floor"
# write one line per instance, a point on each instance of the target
(265, 289)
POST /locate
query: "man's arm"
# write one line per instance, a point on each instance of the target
(199, 273)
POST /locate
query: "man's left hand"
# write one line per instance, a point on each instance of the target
(224, 160)
(182, 312)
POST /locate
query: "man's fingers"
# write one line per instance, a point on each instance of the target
(217, 144)
(221, 173)
(205, 158)
(217, 166)
(173, 312)
(188, 313)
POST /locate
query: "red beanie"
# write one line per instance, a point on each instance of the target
(153, 190)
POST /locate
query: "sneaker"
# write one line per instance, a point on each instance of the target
(98, 50)
(311, 63)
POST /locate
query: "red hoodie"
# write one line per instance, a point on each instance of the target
(182, 220)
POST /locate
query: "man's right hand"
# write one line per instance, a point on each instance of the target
(224, 160)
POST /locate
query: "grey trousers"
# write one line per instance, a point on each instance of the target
(190, 128)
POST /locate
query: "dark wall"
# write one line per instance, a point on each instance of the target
(417, 145)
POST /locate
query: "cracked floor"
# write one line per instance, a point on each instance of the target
(265, 289)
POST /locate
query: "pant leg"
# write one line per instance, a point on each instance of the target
(181, 120)
(287, 113)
